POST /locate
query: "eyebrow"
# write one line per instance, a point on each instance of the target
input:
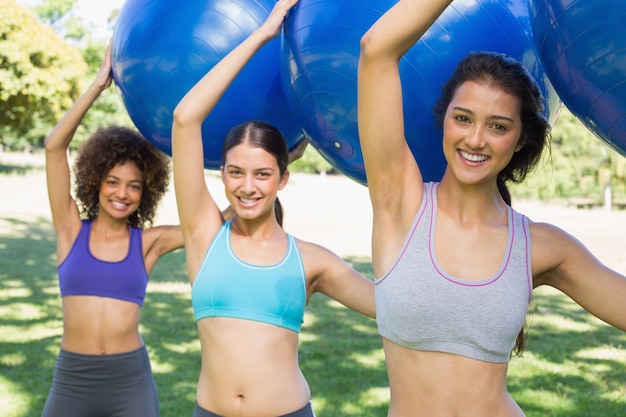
(118, 179)
(231, 166)
(495, 116)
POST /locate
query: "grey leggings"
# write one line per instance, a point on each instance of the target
(118, 385)
(306, 411)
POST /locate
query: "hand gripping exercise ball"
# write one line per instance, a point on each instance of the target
(161, 48)
(583, 48)
(319, 59)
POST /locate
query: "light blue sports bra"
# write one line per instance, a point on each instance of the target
(226, 286)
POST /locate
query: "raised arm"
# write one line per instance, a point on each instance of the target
(65, 215)
(393, 177)
(199, 215)
(561, 261)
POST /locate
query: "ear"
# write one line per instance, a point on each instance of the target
(283, 180)
(222, 172)
(520, 143)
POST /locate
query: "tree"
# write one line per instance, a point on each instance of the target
(573, 165)
(61, 15)
(40, 76)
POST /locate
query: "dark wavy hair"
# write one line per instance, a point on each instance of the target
(111, 146)
(262, 135)
(508, 74)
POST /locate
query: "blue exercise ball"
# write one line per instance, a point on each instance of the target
(319, 59)
(583, 48)
(161, 48)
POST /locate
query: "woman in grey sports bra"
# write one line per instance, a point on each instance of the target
(454, 264)
(249, 347)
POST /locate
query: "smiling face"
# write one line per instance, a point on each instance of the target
(482, 127)
(252, 179)
(121, 190)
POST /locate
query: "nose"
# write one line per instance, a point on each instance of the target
(247, 185)
(475, 138)
(121, 192)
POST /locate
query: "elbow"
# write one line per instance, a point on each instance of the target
(180, 118)
(368, 45)
(374, 45)
(47, 145)
(376, 52)
(186, 115)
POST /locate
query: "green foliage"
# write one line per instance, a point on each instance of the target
(576, 165)
(58, 59)
(39, 76)
(311, 162)
(53, 11)
(108, 109)
(62, 16)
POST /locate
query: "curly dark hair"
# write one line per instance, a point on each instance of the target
(105, 149)
(511, 76)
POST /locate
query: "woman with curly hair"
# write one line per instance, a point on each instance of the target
(104, 259)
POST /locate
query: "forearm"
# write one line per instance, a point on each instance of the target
(400, 27)
(63, 132)
(198, 103)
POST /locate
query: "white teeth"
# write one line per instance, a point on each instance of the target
(473, 157)
(116, 204)
(246, 200)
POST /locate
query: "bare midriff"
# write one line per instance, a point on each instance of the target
(100, 326)
(249, 368)
(437, 384)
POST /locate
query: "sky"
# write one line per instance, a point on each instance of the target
(93, 12)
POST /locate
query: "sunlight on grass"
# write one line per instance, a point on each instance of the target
(10, 360)
(13, 288)
(25, 311)
(187, 347)
(562, 323)
(162, 367)
(16, 292)
(309, 319)
(169, 288)
(603, 352)
(23, 333)
(12, 401)
(374, 360)
(375, 397)
(308, 336)
(549, 400)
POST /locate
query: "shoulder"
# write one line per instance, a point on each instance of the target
(552, 249)
(307, 248)
(316, 258)
(162, 239)
(546, 234)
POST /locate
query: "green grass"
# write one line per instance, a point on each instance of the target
(574, 365)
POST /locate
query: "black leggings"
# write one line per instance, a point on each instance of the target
(118, 385)
(306, 411)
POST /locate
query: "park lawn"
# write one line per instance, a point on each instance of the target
(574, 365)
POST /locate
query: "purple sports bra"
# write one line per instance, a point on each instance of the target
(81, 273)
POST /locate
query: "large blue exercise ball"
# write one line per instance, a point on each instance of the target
(583, 48)
(161, 48)
(319, 59)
